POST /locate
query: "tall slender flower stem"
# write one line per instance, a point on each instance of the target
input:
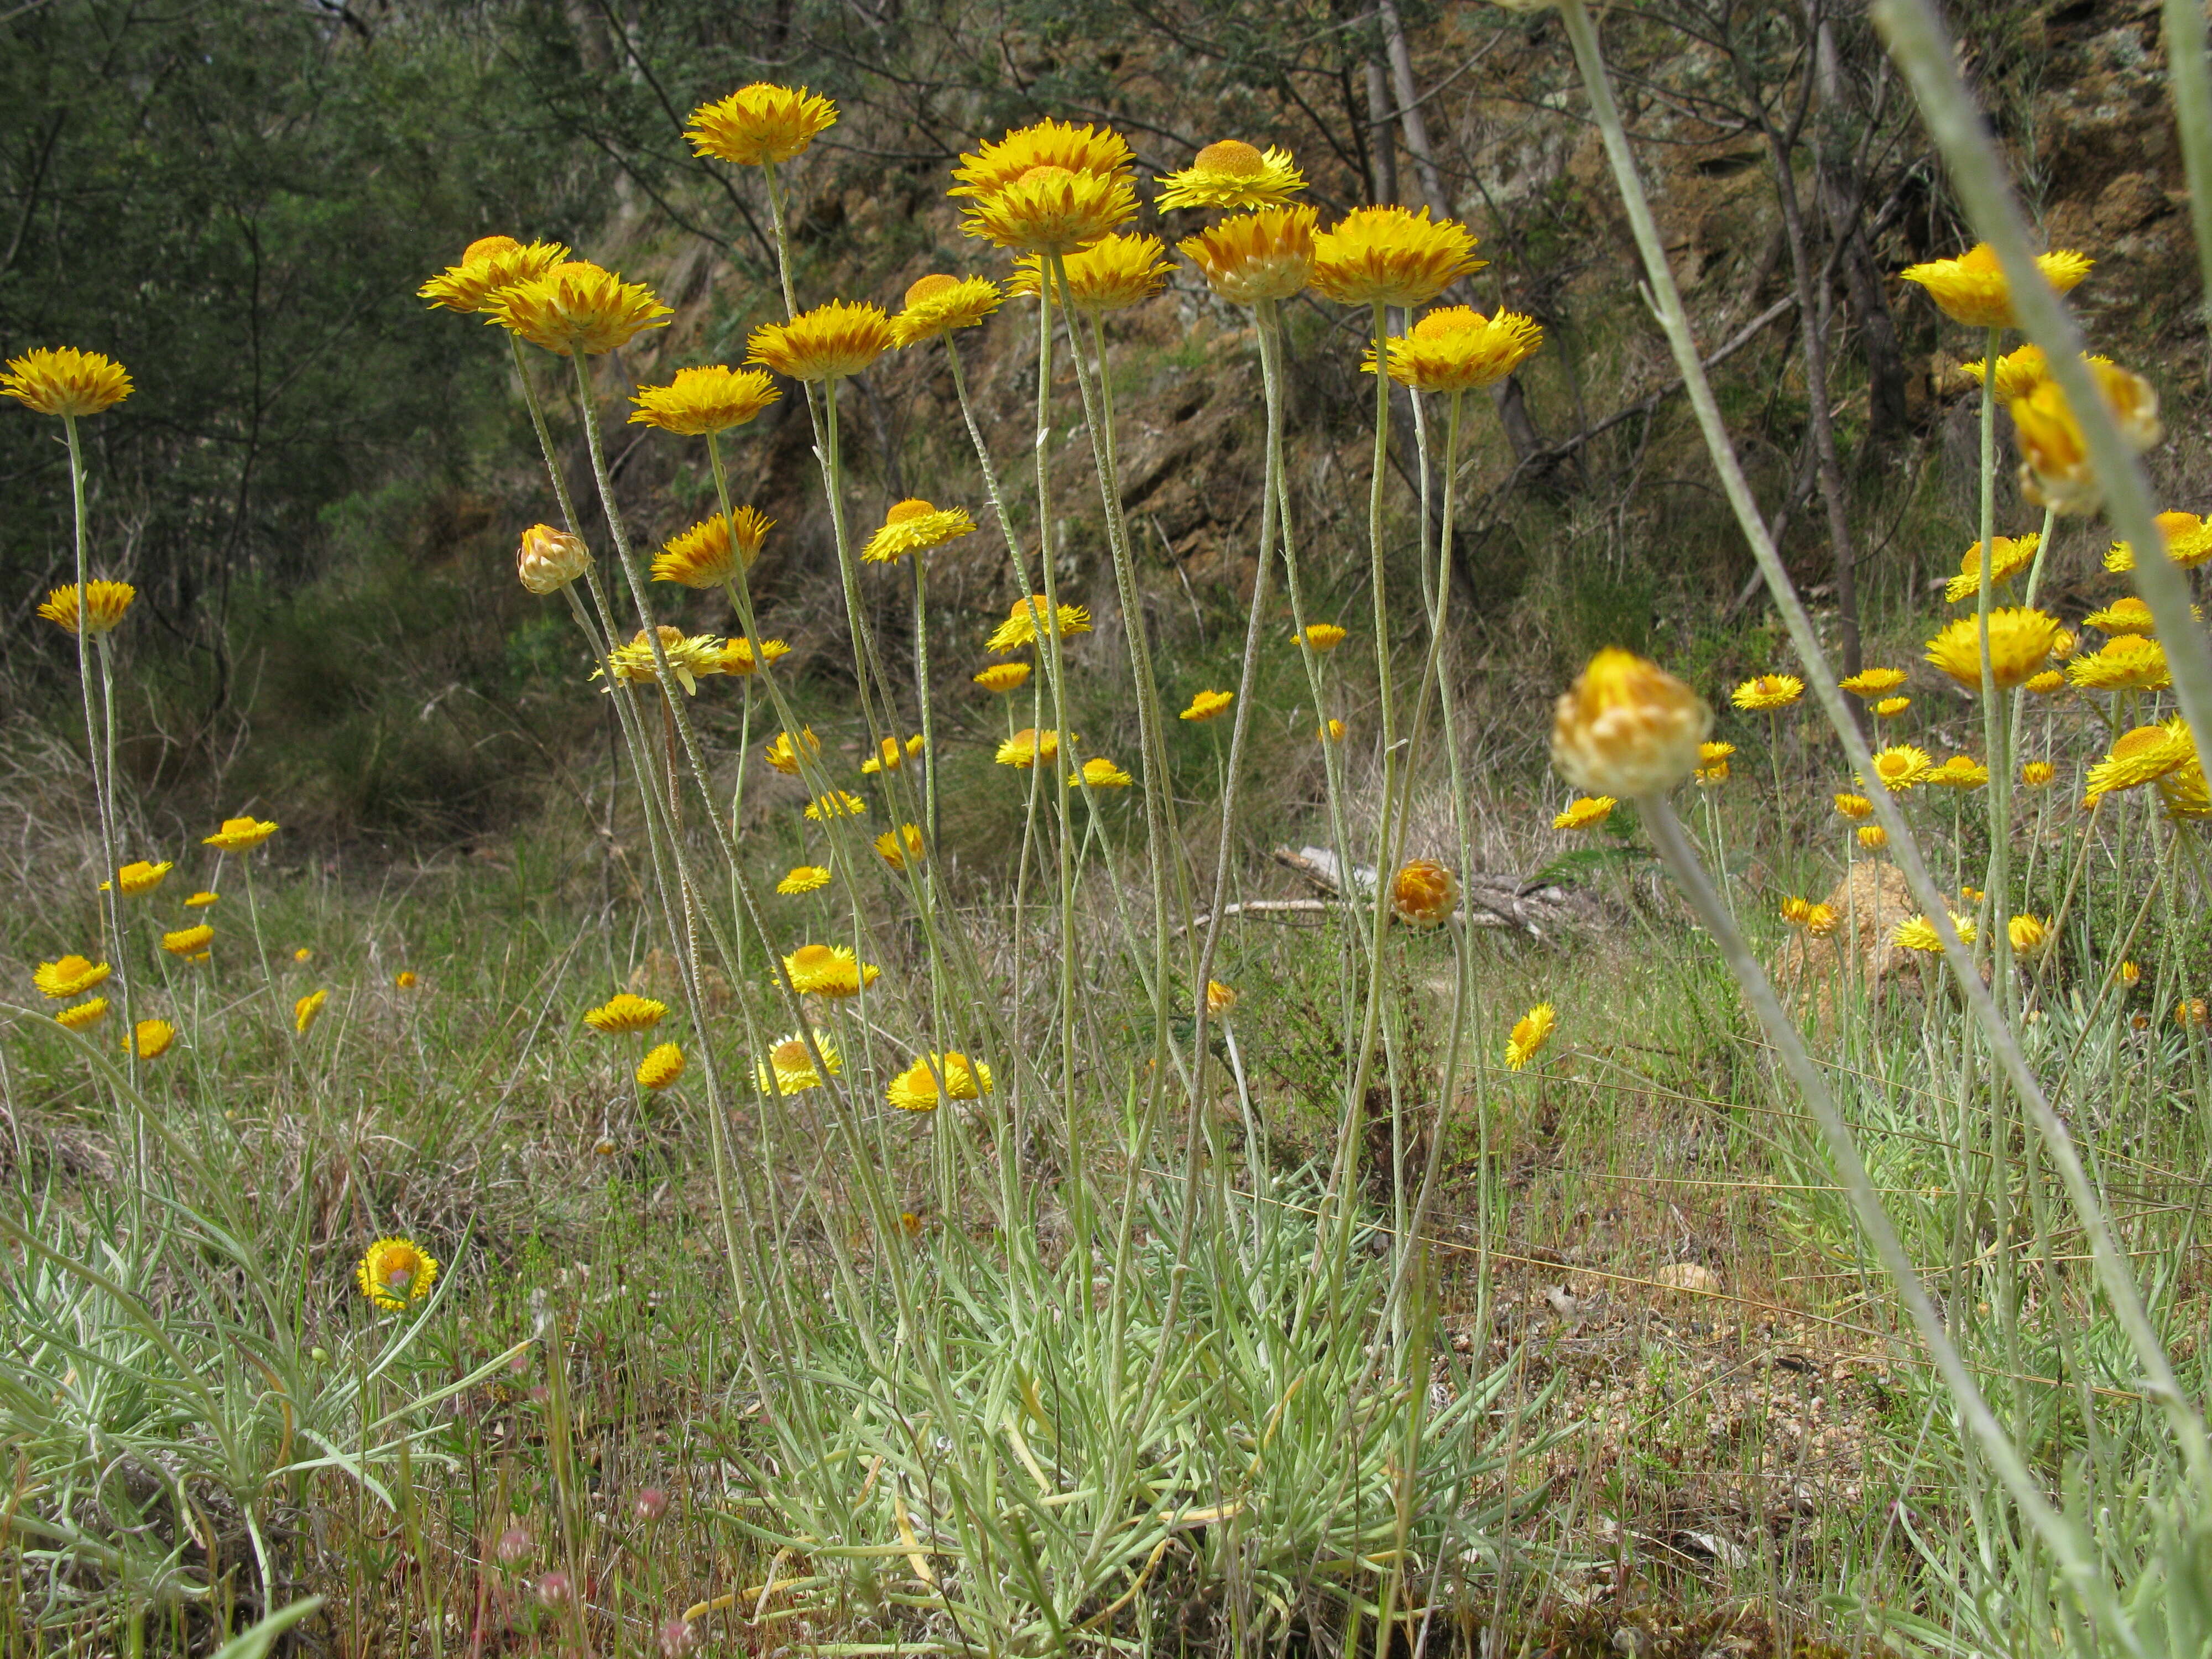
(1997, 876)
(1056, 683)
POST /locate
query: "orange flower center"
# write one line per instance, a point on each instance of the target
(908, 510)
(791, 1056)
(929, 287)
(1233, 156)
(485, 247)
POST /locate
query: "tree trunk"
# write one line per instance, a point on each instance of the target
(1841, 194)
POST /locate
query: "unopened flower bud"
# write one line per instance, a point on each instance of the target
(1219, 998)
(555, 1590)
(549, 559)
(678, 1637)
(513, 1547)
(1424, 894)
(1627, 727)
(651, 1502)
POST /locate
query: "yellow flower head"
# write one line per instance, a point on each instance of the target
(1972, 288)
(72, 977)
(2036, 774)
(690, 659)
(759, 124)
(1898, 768)
(579, 307)
(547, 560)
(1796, 912)
(1708, 776)
(1821, 920)
(1208, 704)
(98, 611)
(1112, 274)
(828, 342)
(1530, 1034)
(1048, 143)
(1230, 173)
(405, 980)
(837, 804)
(63, 381)
(1458, 349)
(1028, 746)
(2045, 683)
(1873, 837)
(2056, 471)
(2128, 662)
(915, 526)
(2190, 1012)
(2188, 541)
(395, 1271)
(2128, 975)
(1768, 691)
(804, 879)
(1918, 933)
(1002, 678)
(901, 847)
(1251, 257)
(2030, 936)
(1586, 813)
(708, 555)
(2063, 644)
(1330, 731)
(827, 970)
(188, 941)
(2014, 555)
(790, 1069)
(2184, 793)
(1220, 999)
(202, 899)
(1099, 773)
(890, 757)
(1424, 894)
(702, 400)
(1960, 772)
(625, 1013)
(85, 1015)
(1391, 256)
(140, 877)
(488, 266)
(1026, 621)
(1050, 210)
(739, 657)
(937, 304)
(1320, 637)
(783, 755)
(1873, 682)
(1853, 807)
(915, 1089)
(1711, 754)
(154, 1038)
(305, 1009)
(2018, 372)
(662, 1064)
(1627, 727)
(2020, 640)
(1890, 708)
(2127, 615)
(2143, 756)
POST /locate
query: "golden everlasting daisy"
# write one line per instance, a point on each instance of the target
(63, 381)
(783, 754)
(915, 526)
(1960, 772)
(140, 877)
(405, 980)
(2020, 639)
(488, 266)
(915, 1089)
(1390, 256)
(1586, 813)
(85, 1015)
(2014, 555)
(202, 899)
(804, 879)
(2188, 541)
(579, 307)
(1320, 637)
(829, 970)
(1050, 210)
(2045, 683)
(938, 304)
(1898, 768)
(759, 124)
(2056, 471)
(1251, 257)
(2184, 793)
(395, 1271)
(2143, 756)
(2036, 774)
(1231, 173)
(2127, 975)
(1796, 912)
(1821, 920)
(302, 954)
(2128, 615)
(1027, 746)
(1333, 732)
(625, 1013)
(890, 757)
(739, 657)
(1424, 893)
(99, 612)
(1026, 621)
(1873, 837)
(708, 553)
(662, 1064)
(1972, 288)
(1873, 683)
(1717, 772)
(305, 1009)
(154, 1038)
(1112, 274)
(2128, 662)
(1460, 349)
(1047, 143)
(2018, 372)
(837, 804)
(713, 398)
(1890, 708)
(1768, 691)
(1101, 773)
(828, 342)
(1627, 727)
(1000, 677)
(901, 847)
(1530, 1034)
(790, 1068)
(1208, 704)
(1853, 807)
(1918, 933)
(187, 941)
(73, 975)
(690, 659)
(547, 560)
(2030, 936)
(1220, 999)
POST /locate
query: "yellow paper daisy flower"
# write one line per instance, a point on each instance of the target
(305, 1009)
(1457, 349)
(760, 124)
(547, 560)
(1530, 1034)
(579, 307)
(1207, 705)
(187, 941)
(138, 879)
(804, 879)
(1051, 209)
(2188, 541)
(405, 980)
(2030, 936)
(1231, 173)
(1391, 256)
(2128, 662)
(915, 525)
(1027, 746)
(488, 266)
(1002, 678)
(2184, 793)
(1853, 807)
(2056, 471)
(915, 1089)
(63, 381)
(1320, 637)
(1873, 682)
(837, 804)
(1330, 731)
(2018, 372)
(1025, 621)
(1960, 772)
(99, 611)
(1918, 933)
(2128, 615)
(84, 1016)
(901, 847)
(790, 1069)
(662, 1064)
(2142, 755)
(2045, 683)
(394, 1272)
(708, 555)
(1627, 727)
(938, 304)
(690, 659)
(1873, 837)
(2036, 774)
(1100, 773)
(2014, 555)
(783, 754)
(1973, 289)
(2020, 640)
(71, 976)
(1220, 999)
(1251, 257)
(1901, 766)
(1890, 708)
(1424, 893)
(1586, 813)
(1112, 274)
(1047, 143)
(739, 656)
(829, 970)
(625, 1013)
(713, 398)
(1767, 691)
(828, 342)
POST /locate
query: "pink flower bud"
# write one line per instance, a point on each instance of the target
(652, 1502)
(514, 1546)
